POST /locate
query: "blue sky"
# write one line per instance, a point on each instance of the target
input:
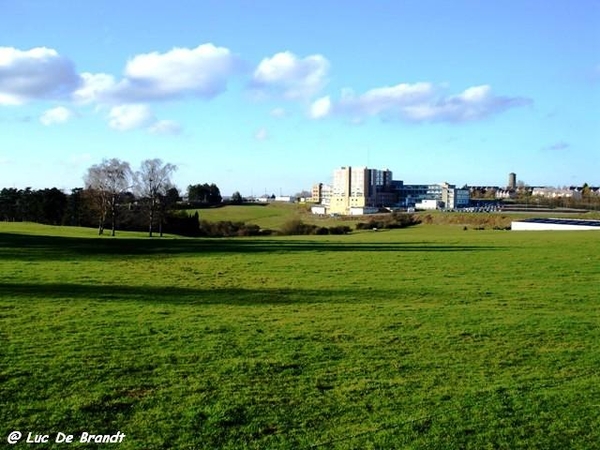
(266, 96)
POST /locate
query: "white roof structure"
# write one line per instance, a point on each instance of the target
(555, 224)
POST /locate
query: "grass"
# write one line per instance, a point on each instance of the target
(274, 215)
(270, 216)
(428, 337)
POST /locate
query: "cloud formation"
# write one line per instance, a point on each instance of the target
(36, 74)
(202, 71)
(285, 74)
(129, 117)
(95, 87)
(137, 116)
(57, 115)
(181, 72)
(418, 102)
(320, 108)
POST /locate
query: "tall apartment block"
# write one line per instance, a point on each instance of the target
(359, 187)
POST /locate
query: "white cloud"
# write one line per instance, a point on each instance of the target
(261, 134)
(291, 77)
(320, 108)
(202, 71)
(39, 73)
(376, 101)
(423, 102)
(94, 87)
(165, 127)
(57, 115)
(129, 117)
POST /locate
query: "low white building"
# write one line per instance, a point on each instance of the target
(429, 205)
(362, 210)
(555, 193)
(319, 209)
(285, 198)
(554, 224)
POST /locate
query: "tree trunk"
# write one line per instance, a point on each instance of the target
(151, 221)
(113, 208)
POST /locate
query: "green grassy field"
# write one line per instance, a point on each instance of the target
(274, 215)
(428, 337)
(270, 216)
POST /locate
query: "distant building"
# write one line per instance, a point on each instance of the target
(285, 199)
(360, 187)
(446, 195)
(548, 192)
(554, 224)
(453, 198)
(429, 204)
(360, 190)
(316, 193)
(512, 181)
(319, 209)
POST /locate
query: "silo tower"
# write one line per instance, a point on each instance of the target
(512, 180)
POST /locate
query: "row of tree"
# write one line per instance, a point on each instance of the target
(49, 206)
(107, 182)
(113, 195)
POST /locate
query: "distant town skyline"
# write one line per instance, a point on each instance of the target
(267, 96)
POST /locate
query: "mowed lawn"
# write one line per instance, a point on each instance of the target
(429, 337)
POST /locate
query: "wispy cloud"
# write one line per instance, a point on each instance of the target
(418, 102)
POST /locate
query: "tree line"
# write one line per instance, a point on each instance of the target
(115, 196)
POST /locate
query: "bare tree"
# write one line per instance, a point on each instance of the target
(153, 180)
(106, 182)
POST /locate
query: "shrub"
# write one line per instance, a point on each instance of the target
(297, 227)
(228, 229)
(342, 229)
(394, 220)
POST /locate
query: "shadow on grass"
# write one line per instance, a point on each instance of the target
(186, 296)
(28, 247)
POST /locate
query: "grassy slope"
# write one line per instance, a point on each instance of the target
(274, 215)
(429, 337)
(269, 216)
